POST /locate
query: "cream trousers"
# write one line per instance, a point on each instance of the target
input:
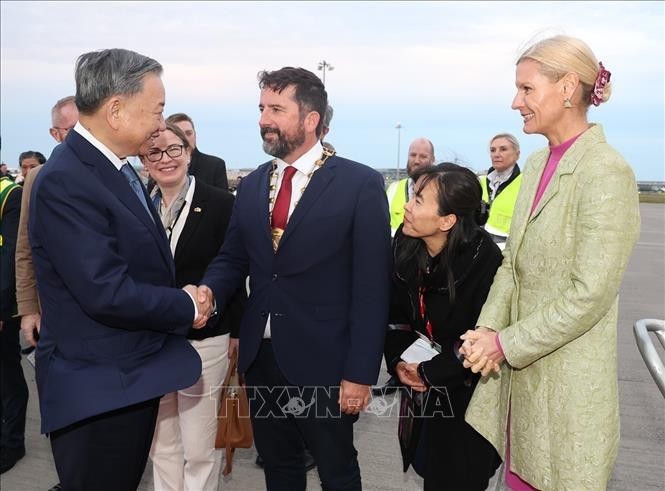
(183, 448)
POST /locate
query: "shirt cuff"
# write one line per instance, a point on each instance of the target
(196, 310)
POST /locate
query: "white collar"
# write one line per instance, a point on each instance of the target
(115, 160)
(306, 162)
(502, 176)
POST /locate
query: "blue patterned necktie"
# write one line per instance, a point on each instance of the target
(136, 186)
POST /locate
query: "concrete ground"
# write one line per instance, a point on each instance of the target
(641, 461)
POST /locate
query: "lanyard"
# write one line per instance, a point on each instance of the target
(423, 312)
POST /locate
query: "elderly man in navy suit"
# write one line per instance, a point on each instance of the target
(113, 325)
(311, 230)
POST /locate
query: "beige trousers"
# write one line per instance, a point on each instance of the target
(183, 449)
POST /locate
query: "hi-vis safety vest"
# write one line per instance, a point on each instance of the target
(397, 196)
(501, 209)
(6, 187)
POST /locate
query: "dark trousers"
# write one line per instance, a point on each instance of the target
(106, 452)
(13, 389)
(286, 418)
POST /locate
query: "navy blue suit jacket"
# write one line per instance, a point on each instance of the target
(113, 325)
(327, 287)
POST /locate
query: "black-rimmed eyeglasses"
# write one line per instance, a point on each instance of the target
(155, 154)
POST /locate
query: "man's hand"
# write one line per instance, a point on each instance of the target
(204, 302)
(30, 326)
(353, 397)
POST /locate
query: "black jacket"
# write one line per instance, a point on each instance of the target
(209, 169)
(199, 242)
(457, 457)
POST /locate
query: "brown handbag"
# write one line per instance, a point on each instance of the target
(234, 428)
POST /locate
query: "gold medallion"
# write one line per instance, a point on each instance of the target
(276, 237)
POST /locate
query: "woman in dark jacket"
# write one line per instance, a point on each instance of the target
(195, 216)
(444, 266)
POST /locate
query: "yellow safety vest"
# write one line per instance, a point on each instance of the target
(501, 209)
(6, 187)
(397, 193)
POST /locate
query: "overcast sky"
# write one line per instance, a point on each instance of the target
(444, 70)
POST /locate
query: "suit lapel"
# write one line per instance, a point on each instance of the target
(192, 220)
(521, 215)
(113, 179)
(263, 196)
(317, 185)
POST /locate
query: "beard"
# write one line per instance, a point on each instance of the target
(284, 144)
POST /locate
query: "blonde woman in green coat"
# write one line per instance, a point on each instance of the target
(546, 336)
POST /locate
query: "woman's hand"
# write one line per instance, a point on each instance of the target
(465, 349)
(408, 375)
(481, 351)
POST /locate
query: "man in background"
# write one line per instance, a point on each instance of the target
(4, 171)
(421, 155)
(208, 168)
(27, 161)
(64, 116)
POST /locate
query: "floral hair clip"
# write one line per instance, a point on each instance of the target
(602, 79)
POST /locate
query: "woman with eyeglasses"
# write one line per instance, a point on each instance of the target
(195, 216)
(444, 266)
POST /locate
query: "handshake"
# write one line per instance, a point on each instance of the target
(481, 350)
(205, 303)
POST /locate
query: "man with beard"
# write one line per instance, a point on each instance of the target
(311, 230)
(421, 155)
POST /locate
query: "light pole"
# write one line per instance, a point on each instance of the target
(323, 66)
(398, 127)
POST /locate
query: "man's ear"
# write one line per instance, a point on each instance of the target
(312, 121)
(113, 111)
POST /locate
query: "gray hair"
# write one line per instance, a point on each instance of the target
(55, 112)
(101, 74)
(513, 141)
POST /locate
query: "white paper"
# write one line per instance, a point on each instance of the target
(419, 351)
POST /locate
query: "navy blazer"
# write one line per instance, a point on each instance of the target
(113, 325)
(327, 287)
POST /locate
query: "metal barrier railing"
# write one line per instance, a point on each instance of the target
(647, 349)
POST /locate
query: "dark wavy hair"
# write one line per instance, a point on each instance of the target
(459, 193)
(310, 94)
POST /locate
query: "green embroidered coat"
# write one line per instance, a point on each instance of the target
(554, 299)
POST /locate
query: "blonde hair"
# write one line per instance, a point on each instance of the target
(561, 54)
